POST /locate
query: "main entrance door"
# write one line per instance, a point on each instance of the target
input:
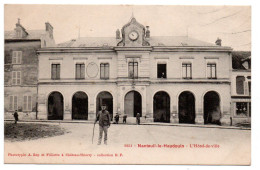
(212, 112)
(186, 107)
(107, 99)
(55, 106)
(133, 104)
(161, 107)
(80, 106)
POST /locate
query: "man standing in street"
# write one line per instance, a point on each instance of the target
(138, 118)
(15, 117)
(104, 123)
(124, 118)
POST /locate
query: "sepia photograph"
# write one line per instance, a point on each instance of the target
(127, 84)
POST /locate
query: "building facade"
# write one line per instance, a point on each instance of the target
(165, 79)
(21, 69)
(241, 88)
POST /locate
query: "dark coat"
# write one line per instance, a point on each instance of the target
(16, 116)
(104, 118)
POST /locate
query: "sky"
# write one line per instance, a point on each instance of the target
(232, 24)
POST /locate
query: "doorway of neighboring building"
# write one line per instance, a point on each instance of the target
(186, 108)
(55, 106)
(212, 112)
(80, 106)
(133, 104)
(161, 107)
(107, 99)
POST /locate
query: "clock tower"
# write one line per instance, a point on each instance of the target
(133, 35)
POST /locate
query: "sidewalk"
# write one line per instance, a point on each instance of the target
(150, 123)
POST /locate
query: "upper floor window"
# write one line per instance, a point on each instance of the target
(17, 57)
(80, 71)
(27, 103)
(16, 77)
(240, 84)
(161, 71)
(133, 69)
(104, 70)
(55, 71)
(211, 71)
(13, 103)
(186, 71)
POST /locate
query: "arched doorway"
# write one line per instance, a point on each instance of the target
(133, 104)
(161, 107)
(80, 106)
(107, 99)
(212, 112)
(186, 107)
(55, 106)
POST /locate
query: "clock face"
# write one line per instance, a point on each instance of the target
(133, 35)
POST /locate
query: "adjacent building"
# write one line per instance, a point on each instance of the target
(241, 87)
(21, 69)
(174, 79)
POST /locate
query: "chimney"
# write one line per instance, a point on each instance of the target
(49, 29)
(218, 42)
(147, 33)
(118, 34)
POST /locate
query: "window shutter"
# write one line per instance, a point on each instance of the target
(213, 71)
(18, 77)
(188, 70)
(77, 71)
(58, 71)
(14, 77)
(11, 103)
(14, 57)
(82, 72)
(15, 102)
(19, 57)
(102, 70)
(24, 103)
(29, 103)
(107, 71)
(135, 70)
(53, 71)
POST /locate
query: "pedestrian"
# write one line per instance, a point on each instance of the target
(103, 117)
(15, 117)
(138, 118)
(116, 118)
(124, 118)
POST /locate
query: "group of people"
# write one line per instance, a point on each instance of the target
(116, 118)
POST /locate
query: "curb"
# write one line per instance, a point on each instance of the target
(154, 124)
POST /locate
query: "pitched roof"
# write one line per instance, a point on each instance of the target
(238, 58)
(32, 34)
(154, 41)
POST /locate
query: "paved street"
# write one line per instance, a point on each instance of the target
(214, 146)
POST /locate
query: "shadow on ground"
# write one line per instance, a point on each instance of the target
(29, 131)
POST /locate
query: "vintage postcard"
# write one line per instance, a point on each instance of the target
(127, 84)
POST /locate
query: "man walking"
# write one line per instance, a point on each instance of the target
(104, 123)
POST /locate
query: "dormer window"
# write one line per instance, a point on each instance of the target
(19, 33)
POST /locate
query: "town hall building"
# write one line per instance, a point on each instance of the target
(173, 79)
